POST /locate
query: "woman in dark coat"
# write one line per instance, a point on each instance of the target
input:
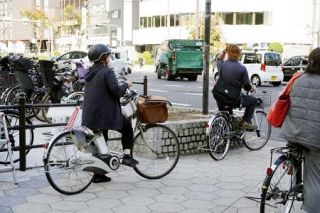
(101, 106)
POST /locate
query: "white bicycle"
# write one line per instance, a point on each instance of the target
(76, 154)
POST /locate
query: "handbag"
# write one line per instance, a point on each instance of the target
(225, 92)
(278, 111)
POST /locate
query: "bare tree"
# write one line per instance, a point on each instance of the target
(39, 21)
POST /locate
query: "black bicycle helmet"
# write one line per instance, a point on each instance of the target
(96, 51)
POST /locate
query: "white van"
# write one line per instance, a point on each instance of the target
(262, 66)
(120, 63)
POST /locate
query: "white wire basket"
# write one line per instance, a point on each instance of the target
(264, 98)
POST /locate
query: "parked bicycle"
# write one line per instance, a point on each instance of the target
(284, 181)
(223, 129)
(11, 119)
(6, 144)
(74, 155)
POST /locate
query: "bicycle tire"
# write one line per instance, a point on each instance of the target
(156, 147)
(218, 143)
(272, 195)
(8, 99)
(14, 136)
(61, 150)
(75, 96)
(44, 110)
(257, 139)
(37, 99)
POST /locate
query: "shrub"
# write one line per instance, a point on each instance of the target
(275, 46)
(147, 58)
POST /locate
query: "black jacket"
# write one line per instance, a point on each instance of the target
(101, 106)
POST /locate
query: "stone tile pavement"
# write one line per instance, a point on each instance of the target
(198, 184)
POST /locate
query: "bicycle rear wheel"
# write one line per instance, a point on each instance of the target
(12, 119)
(62, 166)
(218, 142)
(44, 110)
(156, 147)
(277, 195)
(37, 99)
(257, 139)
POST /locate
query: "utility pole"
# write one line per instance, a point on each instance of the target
(205, 101)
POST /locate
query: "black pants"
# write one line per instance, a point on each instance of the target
(127, 134)
(247, 101)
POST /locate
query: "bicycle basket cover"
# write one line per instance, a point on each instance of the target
(152, 109)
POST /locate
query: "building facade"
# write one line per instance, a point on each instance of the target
(245, 22)
(87, 22)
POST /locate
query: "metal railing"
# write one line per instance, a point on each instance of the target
(22, 127)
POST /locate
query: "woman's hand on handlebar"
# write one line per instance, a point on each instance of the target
(253, 88)
(129, 83)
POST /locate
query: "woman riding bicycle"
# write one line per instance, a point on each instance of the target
(302, 126)
(235, 77)
(101, 106)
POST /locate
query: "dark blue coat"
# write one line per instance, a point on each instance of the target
(101, 106)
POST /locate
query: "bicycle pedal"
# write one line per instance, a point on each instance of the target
(203, 148)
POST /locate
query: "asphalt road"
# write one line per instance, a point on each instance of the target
(184, 93)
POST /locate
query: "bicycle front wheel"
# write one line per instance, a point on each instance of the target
(277, 194)
(258, 138)
(62, 166)
(12, 119)
(156, 147)
(218, 141)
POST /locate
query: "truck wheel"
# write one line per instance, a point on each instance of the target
(192, 78)
(169, 76)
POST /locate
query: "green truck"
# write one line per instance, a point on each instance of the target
(180, 58)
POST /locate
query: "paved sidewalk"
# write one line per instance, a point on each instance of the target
(198, 184)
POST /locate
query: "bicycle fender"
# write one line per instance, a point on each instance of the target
(51, 140)
(209, 124)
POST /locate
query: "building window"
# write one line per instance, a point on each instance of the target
(227, 18)
(177, 20)
(163, 21)
(259, 18)
(149, 22)
(244, 18)
(115, 14)
(171, 20)
(156, 21)
(143, 22)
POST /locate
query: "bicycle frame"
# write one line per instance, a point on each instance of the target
(294, 162)
(6, 141)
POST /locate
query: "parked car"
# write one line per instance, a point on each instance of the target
(294, 64)
(262, 66)
(70, 57)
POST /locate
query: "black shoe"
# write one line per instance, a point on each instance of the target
(129, 161)
(100, 178)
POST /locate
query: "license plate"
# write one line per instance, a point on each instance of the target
(273, 78)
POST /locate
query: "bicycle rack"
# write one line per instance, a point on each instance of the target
(23, 126)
